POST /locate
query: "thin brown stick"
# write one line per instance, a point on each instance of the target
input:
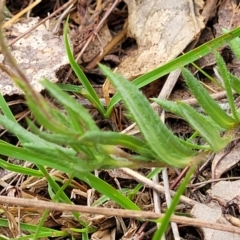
(157, 187)
(99, 26)
(179, 178)
(116, 212)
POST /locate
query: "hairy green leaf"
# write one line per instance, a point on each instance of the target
(92, 97)
(179, 62)
(207, 103)
(160, 139)
(235, 46)
(235, 83)
(169, 106)
(204, 127)
(115, 138)
(225, 74)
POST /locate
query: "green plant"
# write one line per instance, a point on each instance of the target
(72, 142)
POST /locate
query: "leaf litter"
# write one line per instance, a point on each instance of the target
(135, 60)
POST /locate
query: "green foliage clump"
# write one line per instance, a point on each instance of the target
(72, 142)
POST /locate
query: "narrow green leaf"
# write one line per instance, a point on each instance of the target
(160, 139)
(27, 155)
(225, 74)
(93, 97)
(204, 127)
(235, 46)
(19, 131)
(169, 106)
(60, 139)
(43, 113)
(195, 146)
(19, 169)
(5, 108)
(174, 108)
(207, 103)
(177, 63)
(235, 83)
(47, 232)
(74, 119)
(115, 138)
(108, 190)
(166, 219)
(71, 88)
(28, 139)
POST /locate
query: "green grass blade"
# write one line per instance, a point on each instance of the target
(20, 169)
(225, 74)
(19, 131)
(207, 103)
(150, 175)
(234, 45)
(106, 189)
(72, 88)
(235, 83)
(168, 106)
(33, 157)
(46, 232)
(74, 119)
(166, 219)
(115, 138)
(177, 63)
(44, 113)
(60, 139)
(28, 139)
(195, 146)
(173, 107)
(204, 127)
(5, 108)
(93, 97)
(160, 139)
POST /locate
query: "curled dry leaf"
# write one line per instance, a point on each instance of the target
(223, 194)
(228, 16)
(40, 55)
(225, 160)
(212, 212)
(226, 192)
(162, 30)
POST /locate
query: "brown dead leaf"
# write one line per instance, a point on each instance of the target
(228, 16)
(107, 234)
(222, 194)
(212, 212)
(95, 47)
(225, 192)
(40, 55)
(12, 221)
(225, 160)
(162, 30)
(101, 39)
